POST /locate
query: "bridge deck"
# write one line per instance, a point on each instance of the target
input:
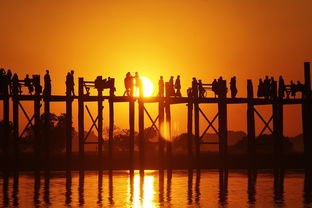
(171, 100)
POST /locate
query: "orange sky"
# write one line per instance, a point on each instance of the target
(205, 39)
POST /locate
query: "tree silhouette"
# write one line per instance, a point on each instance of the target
(57, 133)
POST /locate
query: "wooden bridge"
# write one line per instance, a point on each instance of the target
(163, 120)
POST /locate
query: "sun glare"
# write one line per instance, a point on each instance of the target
(148, 86)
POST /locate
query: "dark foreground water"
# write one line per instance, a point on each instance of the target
(204, 188)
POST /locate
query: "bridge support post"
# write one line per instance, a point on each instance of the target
(100, 129)
(222, 106)
(190, 133)
(15, 131)
(197, 142)
(37, 142)
(111, 133)
(278, 132)
(161, 140)
(6, 128)
(141, 133)
(131, 126)
(47, 124)
(168, 134)
(81, 122)
(251, 126)
(69, 124)
(307, 116)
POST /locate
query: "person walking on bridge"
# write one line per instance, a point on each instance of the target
(177, 86)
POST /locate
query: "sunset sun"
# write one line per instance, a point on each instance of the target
(148, 86)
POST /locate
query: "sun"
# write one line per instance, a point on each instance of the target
(148, 86)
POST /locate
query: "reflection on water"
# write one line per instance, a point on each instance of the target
(204, 188)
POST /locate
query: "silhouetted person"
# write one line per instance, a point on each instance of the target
(171, 87)
(189, 92)
(273, 88)
(15, 85)
(293, 89)
(131, 85)
(128, 84)
(201, 89)
(28, 84)
(2, 81)
(300, 87)
(233, 87)
(281, 87)
(47, 84)
(37, 86)
(177, 86)
(5, 82)
(2, 72)
(99, 84)
(266, 87)
(9, 79)
(260, 92)
(161, 87)
(70, 83)
(214, 87)
(221, 89)
(195, 87)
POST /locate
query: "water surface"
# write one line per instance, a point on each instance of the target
(202, 188)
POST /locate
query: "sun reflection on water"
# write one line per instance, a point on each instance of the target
(143, 190)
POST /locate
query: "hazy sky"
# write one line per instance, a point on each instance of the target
(206, 39)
